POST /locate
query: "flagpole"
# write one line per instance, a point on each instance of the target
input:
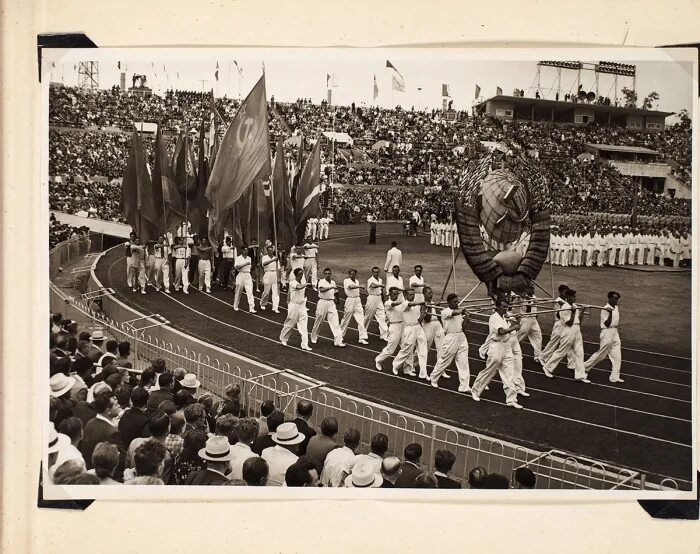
(274, 218)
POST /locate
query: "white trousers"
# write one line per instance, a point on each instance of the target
(499, 359)
(530, 328)
(407, 347)
(454, 347)
(570, 340)
(297, 316)
(324, 232)
(244, 281)
(271, 286)
(421, 352)
(353, 308)
(204, 278)
(611, 347)
(394, 339)
(151, 269)
(181, 275)
(589, 256)
(311, 272)
(326, 310)
(374, 308)
(162, 273)
(517, 379)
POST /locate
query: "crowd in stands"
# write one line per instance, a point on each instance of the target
(59, 232)
(421, 151)
(113, 425)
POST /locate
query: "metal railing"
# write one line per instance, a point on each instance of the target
(216, 368)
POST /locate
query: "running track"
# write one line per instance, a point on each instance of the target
(643, 423)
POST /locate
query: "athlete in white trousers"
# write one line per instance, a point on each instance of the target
(432, 328)
(529, 326)
(499, 357)
(394, 316)
(570, 340)
(353, 307)
(411, 326)
(270, 283)
(417, 282)
(244, 280)
(374, 307)
(162, 265)
(297, 313)
(326, 310)
(181, 255)
(311, 261)
(610, 345)
(204, 265)
(454, 345)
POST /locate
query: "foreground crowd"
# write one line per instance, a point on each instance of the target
(111, 425)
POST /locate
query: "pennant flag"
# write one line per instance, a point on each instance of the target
(240, 71)
(499, 91)
(216, 73)
(284, 209)
(445, 90)
(375, 91)
(244, 156)
(477, 92)
(308, 191)
(397, 82)
(164, 184)
(328, 79)
(119, 65)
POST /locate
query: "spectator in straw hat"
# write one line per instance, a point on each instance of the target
(246, 431)
(217, 455)
(287, 439)
(190, 384)
(57, 442)
(97, 339)
(363, 477)
(60, 389)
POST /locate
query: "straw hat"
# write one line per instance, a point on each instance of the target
(57, 441)
(97, 335)
(61, 384)
(363, 477)
(190, 381)
(287, 434)
(217, 449)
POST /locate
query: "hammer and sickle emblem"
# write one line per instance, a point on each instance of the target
(244, 130)
(516, 211)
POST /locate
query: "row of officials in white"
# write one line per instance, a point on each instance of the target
(317, 227)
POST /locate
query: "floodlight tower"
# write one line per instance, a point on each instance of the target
(88, 75)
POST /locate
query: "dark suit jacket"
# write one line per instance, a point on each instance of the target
(96, 431)
(206, 477)
(154, 400)
(409, 472)
(133, 424)
(447, 483)
(306, 430)
(85, 411)
(261, 443)
(387, 485)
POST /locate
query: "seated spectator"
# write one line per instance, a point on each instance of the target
(477, 477)
(175, 441)
(195, 417)
(302, 473)
(246, 431)
(111, 353)
(225, 428)
(425, 480)
(190, 384)
(188, 461)
(159, 428)
(207, 400)
(266, 408)
(61, 386)
(378, 447)
(217, 456)
(102, 429)
(182, 399)
(524, 478)
(164, 392)
(232, 393)
(304, 411)
(122, 393)
(363, 477)
(255, 472)
(391, 471)
(83, 379)
(134, 422)
(148, 379)
(68, 472)
(279, 457)
(410, 468)
(339, 462)
(178, 374)
(124, 355)
(444, 460)
(149, 460)
(105, 459)
(320, 445)
(495, 481)
(274, 420)
(72, 427)
(169, 407)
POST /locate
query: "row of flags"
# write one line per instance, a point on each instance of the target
(232, 185)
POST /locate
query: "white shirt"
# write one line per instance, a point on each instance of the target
(279, 459)
(297, 296)
(240, 260)
(604, 317)
(374, 291)
(451, 324)
(311, 250)
(394, 314)
(271, 267)
(410, 313)
(496, 322)
(228, 252)
(392, 281)
(415, 280)
(372, 459)
(351, 293)
(339, 462)
(393, 257)
(328, 294)
(162, 250)
(242, 453)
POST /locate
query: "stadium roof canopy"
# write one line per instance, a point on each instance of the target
(526, 102)
(338, 137)
(626, 149)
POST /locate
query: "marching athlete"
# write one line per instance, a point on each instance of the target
(138, 266)
(411, 325)
(432, 331)
(244, 280)
(394, 316)
(181, 255)
(417, 282)
(162, 265)
(297, 315)
(311, 261)
(374, 307)
(610, 344)
(326, 310)
(396, 281)
(228, 256)
(353, 306)
(205, 252)
(454, 345)
(529, 326)
(270, 277)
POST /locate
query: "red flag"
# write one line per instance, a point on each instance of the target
(244, 155)
(284, 209)
(164, 182)
(129, 199)
(138, 204)
(309, 190)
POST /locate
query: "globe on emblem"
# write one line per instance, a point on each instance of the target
(504, 206)
(508, 261)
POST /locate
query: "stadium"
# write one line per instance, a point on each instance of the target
(604, 205)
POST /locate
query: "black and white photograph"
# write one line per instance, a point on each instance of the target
(424, 268)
